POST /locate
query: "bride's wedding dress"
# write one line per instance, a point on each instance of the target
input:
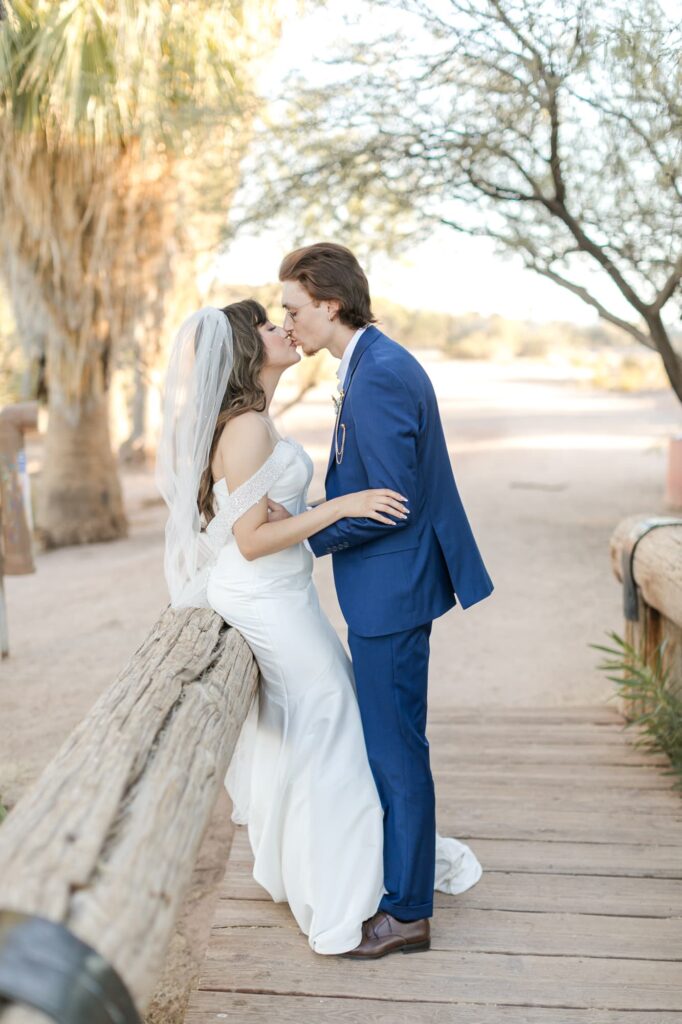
(299, 777)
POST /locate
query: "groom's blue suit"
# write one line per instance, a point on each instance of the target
(392, 581)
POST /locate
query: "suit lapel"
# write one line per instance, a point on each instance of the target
(369, 336)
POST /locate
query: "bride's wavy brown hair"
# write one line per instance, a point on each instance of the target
(243, 389)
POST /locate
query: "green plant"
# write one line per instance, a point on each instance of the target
(3, 812)
(652, 703)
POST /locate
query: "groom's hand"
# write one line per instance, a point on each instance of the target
(276, 511)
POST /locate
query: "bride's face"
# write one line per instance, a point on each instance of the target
(280, 350)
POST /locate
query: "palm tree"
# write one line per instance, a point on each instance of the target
(122, 123)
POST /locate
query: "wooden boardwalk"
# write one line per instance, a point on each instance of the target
(576, 920)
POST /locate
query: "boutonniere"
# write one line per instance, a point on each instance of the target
(338, 401)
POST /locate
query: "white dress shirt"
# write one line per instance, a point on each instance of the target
(346, 357)
(341, 374)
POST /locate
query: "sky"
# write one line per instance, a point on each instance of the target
(449, 272)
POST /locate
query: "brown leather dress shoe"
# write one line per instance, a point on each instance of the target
(384, 934)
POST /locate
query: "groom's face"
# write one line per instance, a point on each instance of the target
(307, 320)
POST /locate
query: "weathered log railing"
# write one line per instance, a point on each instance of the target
(646, 554)
(106, 840)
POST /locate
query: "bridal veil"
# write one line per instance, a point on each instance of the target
(199, 367)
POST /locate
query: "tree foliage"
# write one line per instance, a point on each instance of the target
(121, 127)
(553, 127)
(122, 124)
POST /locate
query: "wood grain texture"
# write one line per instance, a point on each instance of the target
(596, 714)
(259, 959)
(577, 918)
(470, 929)
(534, 892)
(536, 857)
(237, 1008)
(657, 566)
(106, 840)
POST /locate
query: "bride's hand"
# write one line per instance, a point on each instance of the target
(373, 504)
(276, 512)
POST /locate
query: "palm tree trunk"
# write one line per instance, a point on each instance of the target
(79, 497)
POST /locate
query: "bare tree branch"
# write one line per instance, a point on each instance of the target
(584, 294)
(669, 288)
(589, 246)
(552, 129)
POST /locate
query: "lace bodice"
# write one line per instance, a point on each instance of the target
(232, 506)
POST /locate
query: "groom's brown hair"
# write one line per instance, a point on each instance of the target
(330, 271)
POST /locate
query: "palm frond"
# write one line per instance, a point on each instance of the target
(103, 71)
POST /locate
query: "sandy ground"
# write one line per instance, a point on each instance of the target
(546, 468)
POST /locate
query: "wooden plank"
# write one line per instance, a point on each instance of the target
(612, 722)
(580, 837)
(600, 777)
(468, 929)
(530, 856)
(557, 753)
(542, 733)
(552, 794)
(238, 1008)
(537, 857)
(276, 961)
(546, 893)
(596, 714)
(496, 820)
(584, 894)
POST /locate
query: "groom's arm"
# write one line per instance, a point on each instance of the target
(386, 424)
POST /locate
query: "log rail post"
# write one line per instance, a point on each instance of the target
(646, 555)
(96, 857)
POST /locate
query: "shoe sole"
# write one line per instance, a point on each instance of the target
(412, 947)
(417, 947)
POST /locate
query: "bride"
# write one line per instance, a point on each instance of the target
(236, 541)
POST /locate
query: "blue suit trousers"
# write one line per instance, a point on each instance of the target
(391, 676)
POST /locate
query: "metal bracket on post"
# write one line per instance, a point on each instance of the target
(45, 966)
(630, 597)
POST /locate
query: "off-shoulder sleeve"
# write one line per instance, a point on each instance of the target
(212, 539)
(249, 493)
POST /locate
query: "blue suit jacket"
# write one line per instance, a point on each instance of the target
(392, 578)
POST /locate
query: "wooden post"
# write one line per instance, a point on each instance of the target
(4, 629)
(106, 840)
(16, 549)
(657, 573)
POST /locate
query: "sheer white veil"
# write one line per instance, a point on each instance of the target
(199, 367)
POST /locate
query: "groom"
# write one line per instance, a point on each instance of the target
(392, 580)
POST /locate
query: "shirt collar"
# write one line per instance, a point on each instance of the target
(347, 355)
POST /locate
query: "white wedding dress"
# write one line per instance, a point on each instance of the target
(299, 777)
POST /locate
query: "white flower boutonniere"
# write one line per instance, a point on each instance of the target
(338, 401)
